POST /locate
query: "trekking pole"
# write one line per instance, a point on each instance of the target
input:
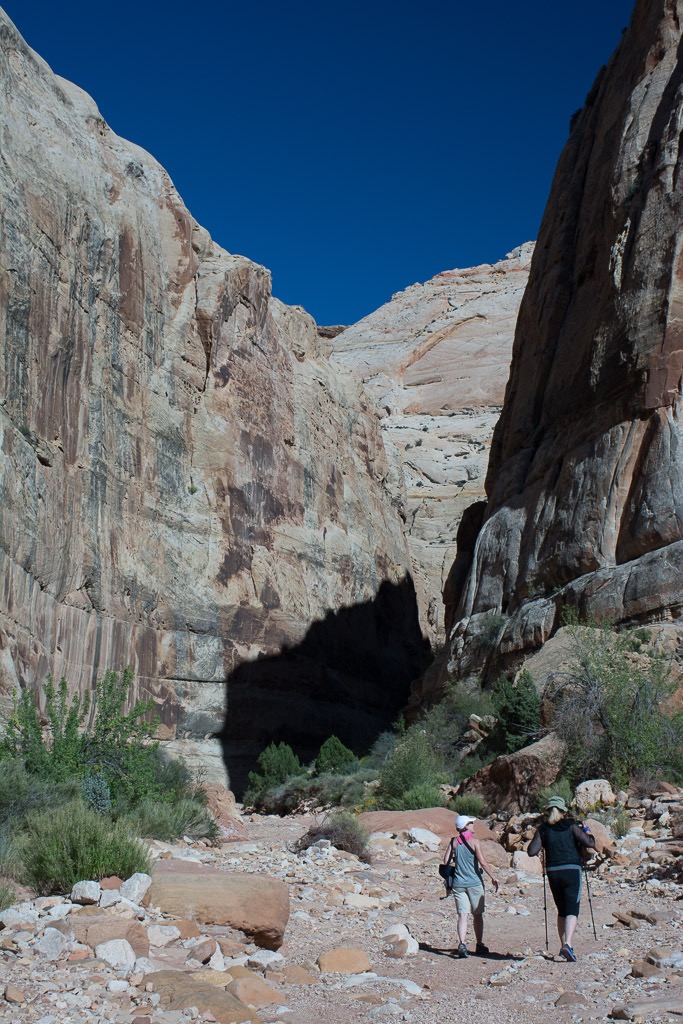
(545, 902)
(590, 902)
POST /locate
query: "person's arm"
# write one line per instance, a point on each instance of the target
(583, 838)
(484, 863)
(449, 853)
(534, 847)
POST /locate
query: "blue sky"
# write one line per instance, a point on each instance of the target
(351, 148)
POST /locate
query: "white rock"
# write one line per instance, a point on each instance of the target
(423, 837)
(117, 985)
(594, 793)
(52, 944)
(143, 965)
(162, 934)
(399, 933)
(59, 912)
(116, 953)
(109, 898)
(264, 958)
(135, 887)
(360, 902)
(86, 893)
(18, 915)
(217, 961)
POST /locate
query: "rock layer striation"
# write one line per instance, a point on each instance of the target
(585, 480)
(435, 360)
(186, 482)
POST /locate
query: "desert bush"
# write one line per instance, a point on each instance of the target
(80, 740)
(469, 804)
(63, 846)
(445, 723)
(96, 792)
(413, 764)
(22, 794)
(613, 707)
(561, 787)
(153, 819)
(424, 794)
(493, 623)
(342, 829)
(8, 896)
(277, 764)
(517, 706)
(616, 818)
(334, 757)
(381, 750)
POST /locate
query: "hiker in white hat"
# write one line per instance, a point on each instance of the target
(465, 853)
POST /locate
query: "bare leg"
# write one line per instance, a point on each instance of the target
(462, 927)
(569, 929)
(478, 922)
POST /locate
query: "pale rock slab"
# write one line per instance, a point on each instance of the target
(116, 953)
(135, 888)
(593, 793)
(86, 893)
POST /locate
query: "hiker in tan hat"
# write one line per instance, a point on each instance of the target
(562, 838)
(465, 853)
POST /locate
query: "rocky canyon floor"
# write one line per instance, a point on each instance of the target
(338, 901)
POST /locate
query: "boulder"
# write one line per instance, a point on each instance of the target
(86, 893)
(398, 935)
(604, 840)
(252, 991)
(592, 794)
(179, 991)
(511, 781)
(496, 855)
(221, 802)
(256, 904)
(344, 960)
(521, 861)
(116, 953)
(135, 887)
(95, 929)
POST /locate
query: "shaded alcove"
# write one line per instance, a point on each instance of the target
(350, 676)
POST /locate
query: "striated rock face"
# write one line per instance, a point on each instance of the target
(185, 480)
(585, 480)
(436, 359)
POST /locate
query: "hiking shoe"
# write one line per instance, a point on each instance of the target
(481, 950)
(462, 951)
(568, 953)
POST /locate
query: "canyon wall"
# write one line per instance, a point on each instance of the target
(585, 481)
(186, 482)
(435, 360)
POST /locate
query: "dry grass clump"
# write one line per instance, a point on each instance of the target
(342, 829)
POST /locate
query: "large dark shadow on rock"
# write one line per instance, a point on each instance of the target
(350, 676)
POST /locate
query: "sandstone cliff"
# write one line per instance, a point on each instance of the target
(585, 480)
(435, 359)
(185, 480)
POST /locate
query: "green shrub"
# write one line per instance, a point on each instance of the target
(381, 750)
(96, 792)
(616, 818)
(277, 764)
(334, 757)
(72, 843)
(613, 708)
(561, 787)
(424, 794)
(469, 804)
(153, 819)
(493, 623)
(518, 710)
(22, 794)
(342, 829)
(8, 896)
(413, 764)
(104, 740)
(446, 722)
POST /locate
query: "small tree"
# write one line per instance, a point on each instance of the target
(412, 766)
(518, 710)
(613, 707)
(334, 757)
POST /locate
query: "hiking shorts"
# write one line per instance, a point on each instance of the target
(565, 885)
(470, 899)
